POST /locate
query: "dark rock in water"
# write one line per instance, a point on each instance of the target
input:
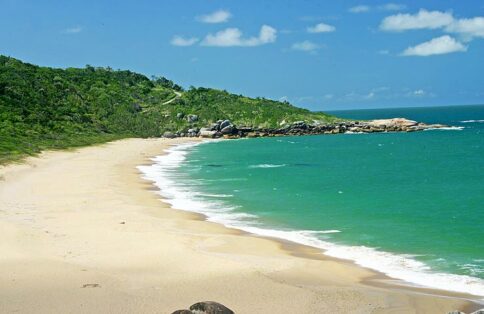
(209, 307)
(214, 165)
(169, 135)
(182, 312)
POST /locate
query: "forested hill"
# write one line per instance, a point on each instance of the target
(43, 108)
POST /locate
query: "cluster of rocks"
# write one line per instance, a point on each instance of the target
(207, 307)
(226, 129)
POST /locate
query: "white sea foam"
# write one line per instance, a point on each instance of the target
(449, 128)
(267, 166)
(400, 266)
(215, 195)
(472, 121)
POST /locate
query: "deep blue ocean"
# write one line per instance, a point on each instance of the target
(410, 205)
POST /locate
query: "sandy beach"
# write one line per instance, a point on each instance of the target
(82, 232)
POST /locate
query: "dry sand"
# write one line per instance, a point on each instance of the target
(81, 232)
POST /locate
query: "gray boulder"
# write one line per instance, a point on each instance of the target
(169, 135)
(209, 307)
(180, 115)
(192, 118)
(481, 311)
(215, 126)
(224, 124)
(229, 129)
(182, 312)
(208, 133)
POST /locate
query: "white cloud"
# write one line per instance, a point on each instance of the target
(72, 30)
(231, 37)
(306, 45)
(220, 16)
(437, 46)
(384, 52)
(392, 7)
(321, 28)
(183, 42)
(473, 27)
(359, 9)
(422, 20)
(419, 92)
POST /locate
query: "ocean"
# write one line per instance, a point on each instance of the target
(410, 205)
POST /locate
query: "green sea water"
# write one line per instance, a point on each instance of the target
(408, 204)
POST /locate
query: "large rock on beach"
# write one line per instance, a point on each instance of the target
(229, 129)
(169, 135)
(225, 123)
(207, 133)
(210, 307)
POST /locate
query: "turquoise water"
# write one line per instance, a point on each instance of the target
(408, 204)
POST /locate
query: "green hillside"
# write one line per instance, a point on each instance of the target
(45, 108)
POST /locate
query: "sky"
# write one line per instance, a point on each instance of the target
(321, 55)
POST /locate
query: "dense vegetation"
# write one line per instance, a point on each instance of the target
(44, 108)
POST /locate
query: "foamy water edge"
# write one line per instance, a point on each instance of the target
(184, 197)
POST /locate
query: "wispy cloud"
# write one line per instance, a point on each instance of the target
(73, 30)
(392, 7)
(183, 42)
(233, 37)
(306, 46)
(437, 46)
(422, 20)
(469, 28)
(359, 9)
(220, 16)
(321, 28)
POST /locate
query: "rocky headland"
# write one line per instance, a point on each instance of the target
(226, 129)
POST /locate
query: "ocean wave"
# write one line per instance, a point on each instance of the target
(472, 121)
(267, 166)
(399, 266)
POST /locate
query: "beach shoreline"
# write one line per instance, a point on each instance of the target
(84, 231)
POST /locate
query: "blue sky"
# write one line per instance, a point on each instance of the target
(322, 55)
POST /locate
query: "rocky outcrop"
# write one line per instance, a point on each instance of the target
(207, 307)
(226, 129)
